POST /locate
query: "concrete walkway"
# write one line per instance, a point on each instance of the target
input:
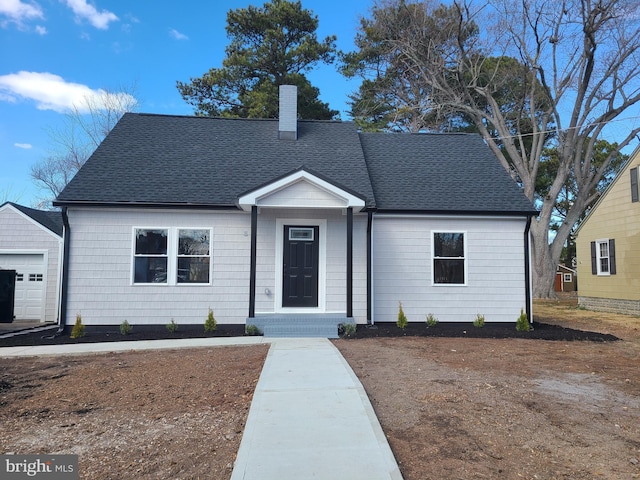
(105, 347)
(310, 417)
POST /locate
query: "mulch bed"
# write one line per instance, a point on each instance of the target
(541, 331)
(112, 334)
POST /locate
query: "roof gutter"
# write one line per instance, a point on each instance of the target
(191, 206)
(466, 213)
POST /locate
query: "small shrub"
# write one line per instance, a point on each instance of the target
(402, 321)
(252, 330)
(522, 324)
(210, 323)
(349, 329)
(432, 321)
(172, 327)
(125, 328)
(78, 328)
(479, 321)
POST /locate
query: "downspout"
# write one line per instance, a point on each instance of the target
(65, 273)
(527, 270)
(369, 266)
(349, 262)
(252, 274)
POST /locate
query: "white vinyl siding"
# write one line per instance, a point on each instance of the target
(100, 271)
(20, 235)
(402, 269)
(301, 193)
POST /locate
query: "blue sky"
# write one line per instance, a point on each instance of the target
(54, 53)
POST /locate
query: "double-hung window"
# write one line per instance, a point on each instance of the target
(603, 257)
(449, 260)
(194, 256)
(151, 255)
(172, 256)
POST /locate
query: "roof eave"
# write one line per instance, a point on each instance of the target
(493, 213)
(193, 206)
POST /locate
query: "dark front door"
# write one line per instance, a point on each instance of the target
(300, 266)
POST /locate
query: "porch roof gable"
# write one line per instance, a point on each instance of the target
(301, 189)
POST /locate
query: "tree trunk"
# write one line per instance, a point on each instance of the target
(544, 266)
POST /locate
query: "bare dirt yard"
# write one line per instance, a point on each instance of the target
(175, 414)
(452, 408)
(465, 408)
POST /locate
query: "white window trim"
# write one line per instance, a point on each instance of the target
(567, 277)
(177, 239)
(433, 257)
(322, 264)
(598, 257)
(172, 257)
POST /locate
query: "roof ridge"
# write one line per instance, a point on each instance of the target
(171, 115)
(417, 134)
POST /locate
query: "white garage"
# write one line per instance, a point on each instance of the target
(31, 244)
(31, 283)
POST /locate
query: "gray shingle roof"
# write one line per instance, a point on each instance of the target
(439, 172)
(159, 159)
(202, 161)
(51, 220)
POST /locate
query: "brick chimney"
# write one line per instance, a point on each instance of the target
(288, 113)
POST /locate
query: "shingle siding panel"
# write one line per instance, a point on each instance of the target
(495, 283)
(100, 270)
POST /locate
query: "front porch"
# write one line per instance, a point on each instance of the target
(317, 325)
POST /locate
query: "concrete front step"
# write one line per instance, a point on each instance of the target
(300, 331)
(299, 326)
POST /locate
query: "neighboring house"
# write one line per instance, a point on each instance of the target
(261, 219)
(31, 244)
(608, 246)
(566, 279)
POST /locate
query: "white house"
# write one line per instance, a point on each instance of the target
(31, 244)
(265, 220)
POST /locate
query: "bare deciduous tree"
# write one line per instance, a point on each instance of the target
(83, 128)
(579, 72)
(8, 195)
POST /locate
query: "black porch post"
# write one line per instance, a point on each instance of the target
(252, 275)
(349, 262)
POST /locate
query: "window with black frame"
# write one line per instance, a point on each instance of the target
(448, 258)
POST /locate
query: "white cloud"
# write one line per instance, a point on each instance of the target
(25, 146)
(85, 11)
(18, 12)
(177, 35)
(52, 92)
(40, 30)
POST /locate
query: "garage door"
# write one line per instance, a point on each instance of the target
(30, 282)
